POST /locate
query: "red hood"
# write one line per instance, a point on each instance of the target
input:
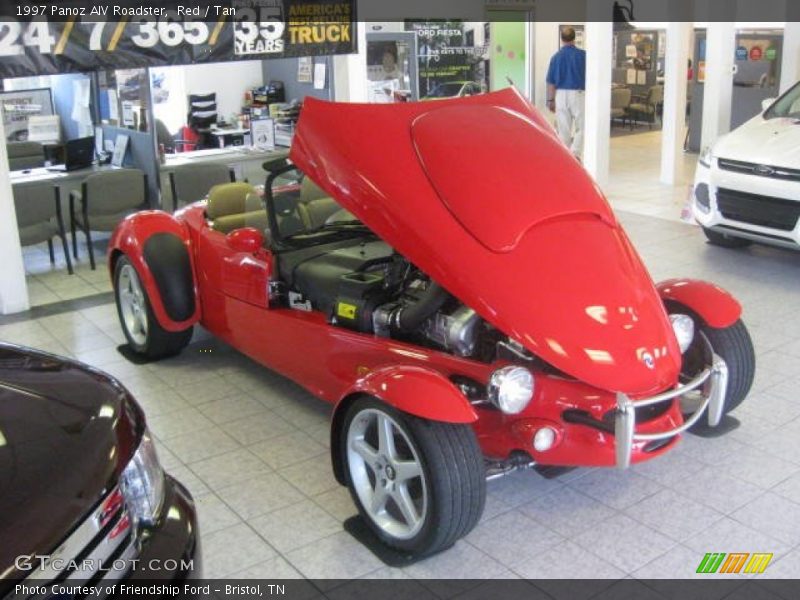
(479, 193)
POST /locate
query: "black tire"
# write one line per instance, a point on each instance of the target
(724, 240)
(452, 465)
(734, 346)
(156, 342)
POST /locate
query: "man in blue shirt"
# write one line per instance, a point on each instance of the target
(566, 82)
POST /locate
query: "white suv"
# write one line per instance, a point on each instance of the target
(747, 185)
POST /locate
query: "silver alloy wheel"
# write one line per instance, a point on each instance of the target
(386, 474)
(132, 304)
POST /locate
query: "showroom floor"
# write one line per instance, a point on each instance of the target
(251, 447)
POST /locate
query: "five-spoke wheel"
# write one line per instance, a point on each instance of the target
(419, 484)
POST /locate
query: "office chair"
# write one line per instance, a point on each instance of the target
(190, 183)
(104, 200)
(39, 218)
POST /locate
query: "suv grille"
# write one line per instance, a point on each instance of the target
(776, 213)
(760, 170)
(104, 537)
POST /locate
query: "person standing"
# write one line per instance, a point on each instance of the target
(566, 84)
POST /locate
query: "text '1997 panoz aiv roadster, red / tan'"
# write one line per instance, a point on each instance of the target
(448, 276)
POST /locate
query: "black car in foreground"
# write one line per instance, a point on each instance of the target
(83, 497)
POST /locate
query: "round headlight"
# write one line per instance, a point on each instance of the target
(511, 389)
(683, 326)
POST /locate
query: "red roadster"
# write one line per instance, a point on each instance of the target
(451, 279)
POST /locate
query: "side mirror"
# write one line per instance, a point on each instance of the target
(246, 239)
(766, 103)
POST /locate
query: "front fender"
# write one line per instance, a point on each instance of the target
(159, 247)
(713, 304)
(414, 390)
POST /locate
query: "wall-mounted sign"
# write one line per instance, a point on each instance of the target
(756, 53)
(19, 106)
(741, 53)
(37, 39)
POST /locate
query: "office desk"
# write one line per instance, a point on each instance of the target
(245, 161)
(229, 137)
(68, 181)
(65, 179)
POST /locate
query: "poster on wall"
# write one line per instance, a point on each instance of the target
(19, 106)
(38, 39)
(304, 68)
(447, 60)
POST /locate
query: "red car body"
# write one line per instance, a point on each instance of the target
(480, 194)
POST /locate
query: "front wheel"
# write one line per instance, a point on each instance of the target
(734, 346)
(139, 324)
(418, 484)
(724, 240)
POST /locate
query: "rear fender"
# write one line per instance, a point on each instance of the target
(711, 303)
(417, 391)
(159, 247)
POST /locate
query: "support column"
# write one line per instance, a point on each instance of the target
(13, 288)
(718, 89)
(597, 126)
(674, 113)
(545, 44)
(790, 66)
(350, 71)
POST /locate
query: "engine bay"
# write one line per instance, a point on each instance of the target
(364, 285)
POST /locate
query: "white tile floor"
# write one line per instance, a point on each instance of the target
(252, 447)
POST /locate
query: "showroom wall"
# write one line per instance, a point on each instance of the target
(228, 79)
(285, 70)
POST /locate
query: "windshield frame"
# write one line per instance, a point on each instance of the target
(302, 238)
(787, 99)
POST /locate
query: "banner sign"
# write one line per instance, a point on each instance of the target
(50, 38)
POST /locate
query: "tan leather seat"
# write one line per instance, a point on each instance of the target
(315, 205)
(235, 205)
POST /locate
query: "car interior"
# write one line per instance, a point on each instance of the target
(315, 242)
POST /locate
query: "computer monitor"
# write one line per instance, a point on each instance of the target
(78, 154)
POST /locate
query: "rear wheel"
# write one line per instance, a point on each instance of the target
(418, 484)
(725, 240)
(139, 324)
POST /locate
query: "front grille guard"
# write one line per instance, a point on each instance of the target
(712, 383)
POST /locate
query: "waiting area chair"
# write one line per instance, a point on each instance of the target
(104, 200)
(620, 103)
(646, 109)
(39, 217)
(25, 155)
(190, 183)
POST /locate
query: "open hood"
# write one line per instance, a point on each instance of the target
(479, 193)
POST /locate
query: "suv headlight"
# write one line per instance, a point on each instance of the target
(683, 326)
(142, 483)
(706, 156)
(511, 389)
